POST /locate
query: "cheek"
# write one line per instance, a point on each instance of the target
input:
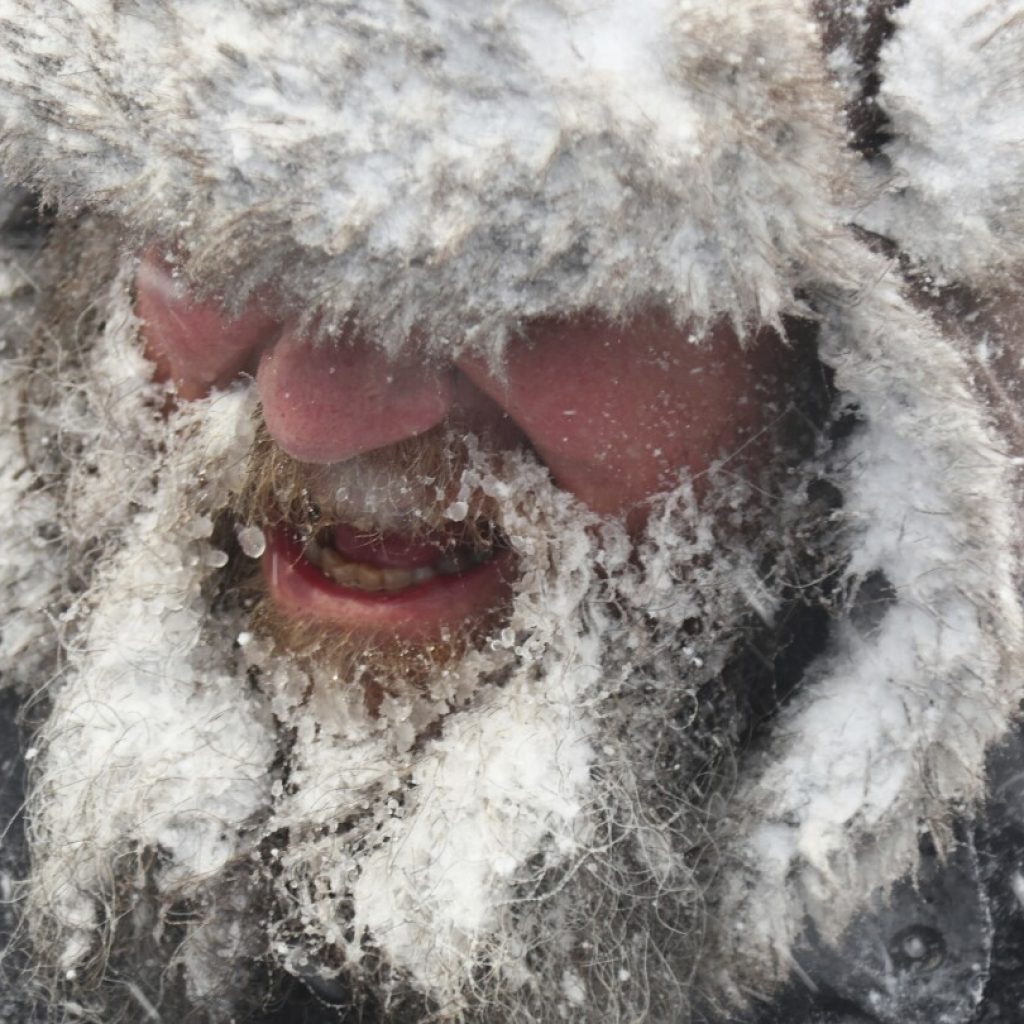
(616, 412)
(193, 343)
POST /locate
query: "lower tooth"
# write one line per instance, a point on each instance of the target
(367, 578)
(395, 579)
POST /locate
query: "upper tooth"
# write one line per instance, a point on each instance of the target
(368, 577)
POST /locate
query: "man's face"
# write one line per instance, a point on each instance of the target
(464, 748)
(615, 412)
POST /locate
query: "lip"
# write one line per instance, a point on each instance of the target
(422, 612)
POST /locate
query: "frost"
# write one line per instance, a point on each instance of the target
(950, 85)
(457, 511)
(216, 559)
(1017, 887)
(522, 110)
(572, 988)
(252, 541)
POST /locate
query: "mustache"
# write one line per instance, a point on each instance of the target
(416, 487)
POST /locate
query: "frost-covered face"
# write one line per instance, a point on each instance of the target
(580, 537)
(462, 748)
(372, 535)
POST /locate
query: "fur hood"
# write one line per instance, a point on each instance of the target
(454, 170)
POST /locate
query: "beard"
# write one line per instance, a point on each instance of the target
(520, 822)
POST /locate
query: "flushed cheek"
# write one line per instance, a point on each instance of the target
(617, 412)
(194, 344)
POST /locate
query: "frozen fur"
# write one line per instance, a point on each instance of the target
(953, 89)
(890, 728)
(443, 165)
(460, 171)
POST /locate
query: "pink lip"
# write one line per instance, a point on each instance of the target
(419, 613)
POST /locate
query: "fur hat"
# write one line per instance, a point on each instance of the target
(445, 166)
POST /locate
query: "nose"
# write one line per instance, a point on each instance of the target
(322, 402)
(326, 402)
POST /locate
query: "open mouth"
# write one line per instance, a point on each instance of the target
(378, 562)
(411, 587)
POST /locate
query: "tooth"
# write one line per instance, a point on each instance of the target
(330, 560)
(348, 576)
(315, 554)
(342, 572)
(395, 579)
(368, 578)
(372, 579)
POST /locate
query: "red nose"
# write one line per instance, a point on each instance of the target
(327, 402)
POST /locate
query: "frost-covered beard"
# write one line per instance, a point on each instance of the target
(526, 827)
(526, 832)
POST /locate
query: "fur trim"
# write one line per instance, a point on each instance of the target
(440, 166)
(953, 89)
(888, 735)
